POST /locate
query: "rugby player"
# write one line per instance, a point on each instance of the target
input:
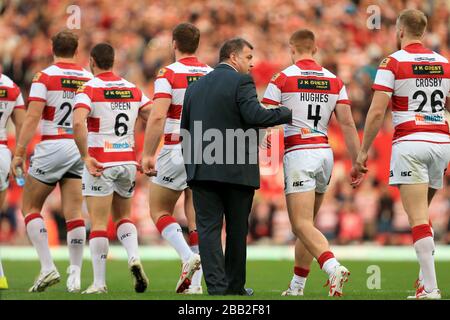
(416, 80)
(11, 106)
(312, 93)
(105, 113)
(56, 159)
(169, 180)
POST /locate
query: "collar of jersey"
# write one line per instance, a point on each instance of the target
(190, 61)
(308, 64)
(416, 47)
(108, 75)
(68, 64)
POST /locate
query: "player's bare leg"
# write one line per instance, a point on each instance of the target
(196, 283)
(72, 200)
(301, 214)
(303, 259)
(99, 209)
(3, 281)
(34, 195)
(162, 204)
(128, 235)
(415, 199)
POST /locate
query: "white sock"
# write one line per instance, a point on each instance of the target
(197, 277)
(128, 236)
(99, 246)
(2, 274)
(38, 236)
(298, 282)
(330, 265)
(76, 239)
(171, 231)
(425, 251)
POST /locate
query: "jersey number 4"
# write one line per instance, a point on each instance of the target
(316, 117)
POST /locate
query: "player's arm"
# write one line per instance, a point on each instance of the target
(81, 111)
(153, 133)
(18, 118)
(351, 138)
(31, 121)
(18, 114)
(374, 121)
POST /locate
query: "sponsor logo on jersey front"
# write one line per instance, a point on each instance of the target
(313, 84)
(427, 69)
(429, 119)
(71, 83)
(118, 94)
(3, 93)
(310, 132)
(117, 146)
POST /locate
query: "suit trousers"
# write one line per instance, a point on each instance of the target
(224, 274)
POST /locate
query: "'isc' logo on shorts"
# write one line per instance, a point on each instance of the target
(406, 173)
(298, 183)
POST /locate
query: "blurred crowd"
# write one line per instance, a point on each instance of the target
(140, 31)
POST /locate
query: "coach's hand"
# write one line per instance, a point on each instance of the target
(93, 166)
(361, 162)
(148, 166)
(17, 162)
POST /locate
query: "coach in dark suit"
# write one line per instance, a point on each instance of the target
(222, 114)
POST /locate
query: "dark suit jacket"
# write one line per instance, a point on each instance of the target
(222, 100)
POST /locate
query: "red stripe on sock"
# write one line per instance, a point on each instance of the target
(32, 216)
(301, 272)
(193, 238)
(324, 257)
(73, 224)
(164, 221)
(98, 234)
(421, 231)
(122, 222)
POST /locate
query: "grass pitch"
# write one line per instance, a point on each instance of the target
(267, 278)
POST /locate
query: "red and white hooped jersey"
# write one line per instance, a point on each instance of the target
(419, 80)
(113, 105)
(311, 92)
(10, 99)
(57, 86)
(171, 83)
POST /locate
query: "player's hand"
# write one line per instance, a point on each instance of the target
(17, 162)
(356, 177)
(93, 166)
(361, 162)
(148, 166)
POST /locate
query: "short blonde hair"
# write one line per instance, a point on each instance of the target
(303, 40)
(414, 22)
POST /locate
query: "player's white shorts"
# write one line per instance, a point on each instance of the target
(414, 162)
(54, 160)
(307, 169)
(5, 163)
(171, 171)
(119, 179)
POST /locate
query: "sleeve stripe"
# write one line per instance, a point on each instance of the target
(378, 87)
(82, 105)
(160, 95)
(343, 101)
(36, 99)
(20, 107)
(269, 101)
(146, 104)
